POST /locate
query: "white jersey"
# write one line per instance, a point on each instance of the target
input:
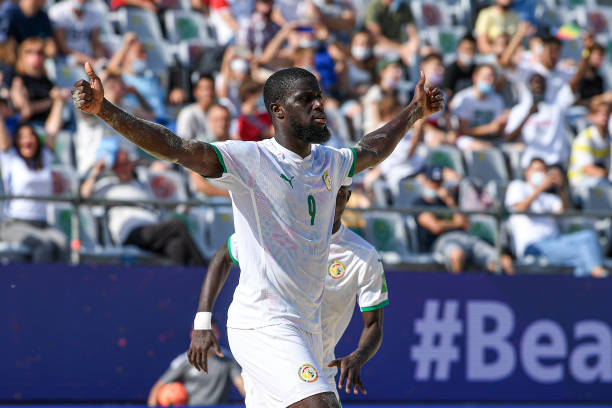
(354, 272)
(283, 212)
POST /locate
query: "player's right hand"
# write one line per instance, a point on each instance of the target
(88, 96)
(201, 342)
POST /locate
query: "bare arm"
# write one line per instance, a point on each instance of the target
(152, 400)
(516, 132)
(483, 44)
(584, 62)
(114, 65)
(5, 137)
(369, 343)
(378, 145)
(155, 139)
(203, 340)
(239, 384)
(428, 221)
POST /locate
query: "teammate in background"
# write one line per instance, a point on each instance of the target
(283, 194)
(354, 271)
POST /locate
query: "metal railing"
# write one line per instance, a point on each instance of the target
(499, 213)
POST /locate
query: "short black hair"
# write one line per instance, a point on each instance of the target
(468, 37)
(432, 56)
(281, 82)
(205, 75)
(550, 40)
(537, 159)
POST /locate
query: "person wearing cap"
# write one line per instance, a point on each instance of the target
(446, 235)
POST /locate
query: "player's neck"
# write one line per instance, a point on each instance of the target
(336, 227)
(297, 146)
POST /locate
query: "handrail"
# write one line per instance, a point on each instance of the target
(77, 201)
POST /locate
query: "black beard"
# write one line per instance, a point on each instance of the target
(309, 134)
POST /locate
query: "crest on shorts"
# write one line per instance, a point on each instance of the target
(336, 270)
(327, 180)
(308, 373)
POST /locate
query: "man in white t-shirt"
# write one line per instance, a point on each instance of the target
(480, 111)
(539, 235)
(541, 124)
(354, 272)
(191, 122)
(283, 194)
(77, 26)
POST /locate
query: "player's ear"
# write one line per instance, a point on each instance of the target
(277, 111)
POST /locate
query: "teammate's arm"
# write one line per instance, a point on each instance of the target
(369, 343)
(378, 145)
(203, 340)
(155, 139)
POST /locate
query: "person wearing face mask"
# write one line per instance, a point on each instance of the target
(479, 110)
(389, 73)
(446, 236)
(494, 21)
(539, 235)
(458, 74)
(77, 26)
(590, 158)
(540, 125)
(358, 67)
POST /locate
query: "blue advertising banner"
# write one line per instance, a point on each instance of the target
(100, 333)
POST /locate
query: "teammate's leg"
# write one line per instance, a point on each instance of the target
(323, 400)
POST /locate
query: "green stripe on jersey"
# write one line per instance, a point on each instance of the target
(352, 171)
(219, 156)
(375, 307)
(229, 249)
(383, 288)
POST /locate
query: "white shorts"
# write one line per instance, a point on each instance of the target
(281, 364)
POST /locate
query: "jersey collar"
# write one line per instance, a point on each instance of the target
(292, 155)
(336, 235)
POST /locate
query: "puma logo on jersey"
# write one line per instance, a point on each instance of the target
(290, 181)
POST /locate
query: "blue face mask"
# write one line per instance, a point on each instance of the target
(484, 88)
(430, 193)
(138, 66)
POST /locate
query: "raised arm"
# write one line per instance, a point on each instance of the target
(203, 340)
(378, 145)
(155, 139)
(369, 343)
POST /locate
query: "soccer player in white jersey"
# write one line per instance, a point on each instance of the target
(354, 271)
(283, 195)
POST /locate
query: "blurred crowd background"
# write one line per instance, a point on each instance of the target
(514, 174)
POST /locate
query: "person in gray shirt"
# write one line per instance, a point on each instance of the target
(211, 389)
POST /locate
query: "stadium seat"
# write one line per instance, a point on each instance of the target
(60, 215)
(448, 13)
(62, 74)
(484, 227)
(170, 185)
(486, 165)
(513, 157)
(140, 21)
(446, 156)
(186, 26)
(13, 252)
(444, 39)
(214, 226)
(599, 198)
(409, 190)
(65, 180)
(64, 149)
(387, 232)
(159, 56)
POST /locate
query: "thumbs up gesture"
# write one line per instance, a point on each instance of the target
(88, 96)
(429, 100)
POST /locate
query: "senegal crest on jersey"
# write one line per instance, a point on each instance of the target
(308, 373)
(327, 180)
(336, 270)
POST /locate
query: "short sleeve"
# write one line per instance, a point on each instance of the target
(347, 162)
(372, 291)
(565, 97)
(515, 194)
(240, 162)
(553, 203)
(482, 22)
(517, 115)
(232, 248)
(460, 109)
(372, 12)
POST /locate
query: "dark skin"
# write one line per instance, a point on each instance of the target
(350, 366)
(303, 105)
(537, 86)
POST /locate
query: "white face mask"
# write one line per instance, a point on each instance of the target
(239, 66)
(390, 83)
(537, 178)
(361, 53)
(77, 5)
(138, 66)
(465, 59)
(537, 49)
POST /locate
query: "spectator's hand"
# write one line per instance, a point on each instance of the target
(547, 184)
(88, 96)
(201, 342)
(98, 168)
(534, 108)
(129, 38)
(525, 29)
(429, 100)
(177, 96)
(588, 40)
(350, 371)
(62, 94)
(501, 120)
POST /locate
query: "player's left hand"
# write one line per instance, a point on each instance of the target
(350, 372)
(430, 100)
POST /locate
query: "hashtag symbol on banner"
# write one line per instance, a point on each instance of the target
(436, 335)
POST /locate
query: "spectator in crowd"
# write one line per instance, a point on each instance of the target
(590, 158)
(357, 72)
(260, 29)
(588, 80)
(77, 26)
(218, 123)
(541, 124)
(541, 192)
(222, 17)
(480, 111)
(28, 19)
(446, 236)
(337, 16)
(210, 389)
(458, 74)
(30, 90)
(235, 69)
(150, 5)
(131, 63)
(191, 122)
(288, 11)
(254, 123)
(133, 225)
(90, 132)
(26, 171)
(389, 73)
(493, 22)
(392, 25)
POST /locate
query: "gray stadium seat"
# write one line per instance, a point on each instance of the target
(213, 226)
(64, 148)
(409, 190)
(446, 156)
(169, 185)
(140, 21)
(387, 232)
(486, 165)
(186, 26)
(66, 182)
(599, 198)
